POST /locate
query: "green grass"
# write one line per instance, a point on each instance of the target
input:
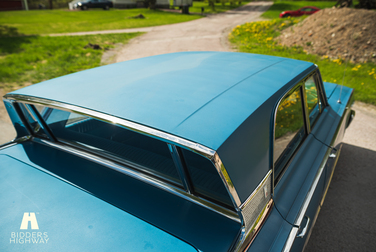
(258, 37)
(280, 6)
(31, 59)
(61, 21)
(219, 7)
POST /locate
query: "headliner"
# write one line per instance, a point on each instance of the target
(200, 96)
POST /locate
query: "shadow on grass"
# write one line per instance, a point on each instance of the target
(11, 40)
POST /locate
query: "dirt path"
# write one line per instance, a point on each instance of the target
(205, 34)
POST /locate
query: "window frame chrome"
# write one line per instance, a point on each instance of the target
(298, 85)
(151, 132)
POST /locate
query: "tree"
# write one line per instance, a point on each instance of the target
(212, 4)
(366, 4)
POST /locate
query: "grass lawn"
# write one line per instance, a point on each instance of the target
(280, 6)
(219, 7)
(258, 37)
(61, 21)
(31, 59)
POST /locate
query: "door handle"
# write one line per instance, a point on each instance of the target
(302, 231)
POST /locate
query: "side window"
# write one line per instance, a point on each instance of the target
(289, 129)
(313, 100)
(205, 179)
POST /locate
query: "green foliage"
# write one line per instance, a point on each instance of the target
(61, 21)
(259, 37)
(289, 116)
(279, 6)
(31, 59)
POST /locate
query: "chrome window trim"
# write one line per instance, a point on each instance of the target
(168, 138)
(309, 195)
(307, 124)
(14, 142)
(297, 85)
(320, 102)
(203, 150)
(321, 87)
(143, 177)
(216, 160)
(39, 120)
(183, 173)
(290, 239)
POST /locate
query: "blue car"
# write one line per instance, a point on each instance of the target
(195, 151)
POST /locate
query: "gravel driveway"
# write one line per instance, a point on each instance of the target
(205, 34)
(346, 221)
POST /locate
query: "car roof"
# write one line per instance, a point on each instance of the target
(199, 96)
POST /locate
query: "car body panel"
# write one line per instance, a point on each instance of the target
(329, 88)
(223, 107)
(224, 75)
(273, 235)
(306, 10)
(173, 214)
(226, 90)
(310, 194)
(291, 189)
(69, 217)
(94, 4)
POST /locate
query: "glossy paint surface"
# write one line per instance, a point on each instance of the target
(299, 12)
(100, 204)
(178, 93)
(224, 101)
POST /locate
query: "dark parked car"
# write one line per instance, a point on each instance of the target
(204, 151)
(86, 4)
(307, 10)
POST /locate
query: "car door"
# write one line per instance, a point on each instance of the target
(94, 4)
(299, 160)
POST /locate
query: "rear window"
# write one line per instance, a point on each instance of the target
(205, 179)
(136, 150)
(142, 152)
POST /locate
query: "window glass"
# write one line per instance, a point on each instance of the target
(312, 98)
(205, 178)
(141, 152)
(32, 121)
(289, 129)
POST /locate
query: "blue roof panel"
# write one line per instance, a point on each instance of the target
(186, 94)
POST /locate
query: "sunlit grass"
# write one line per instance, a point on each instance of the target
(62, 21)
(258, 37)
(31, 59)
